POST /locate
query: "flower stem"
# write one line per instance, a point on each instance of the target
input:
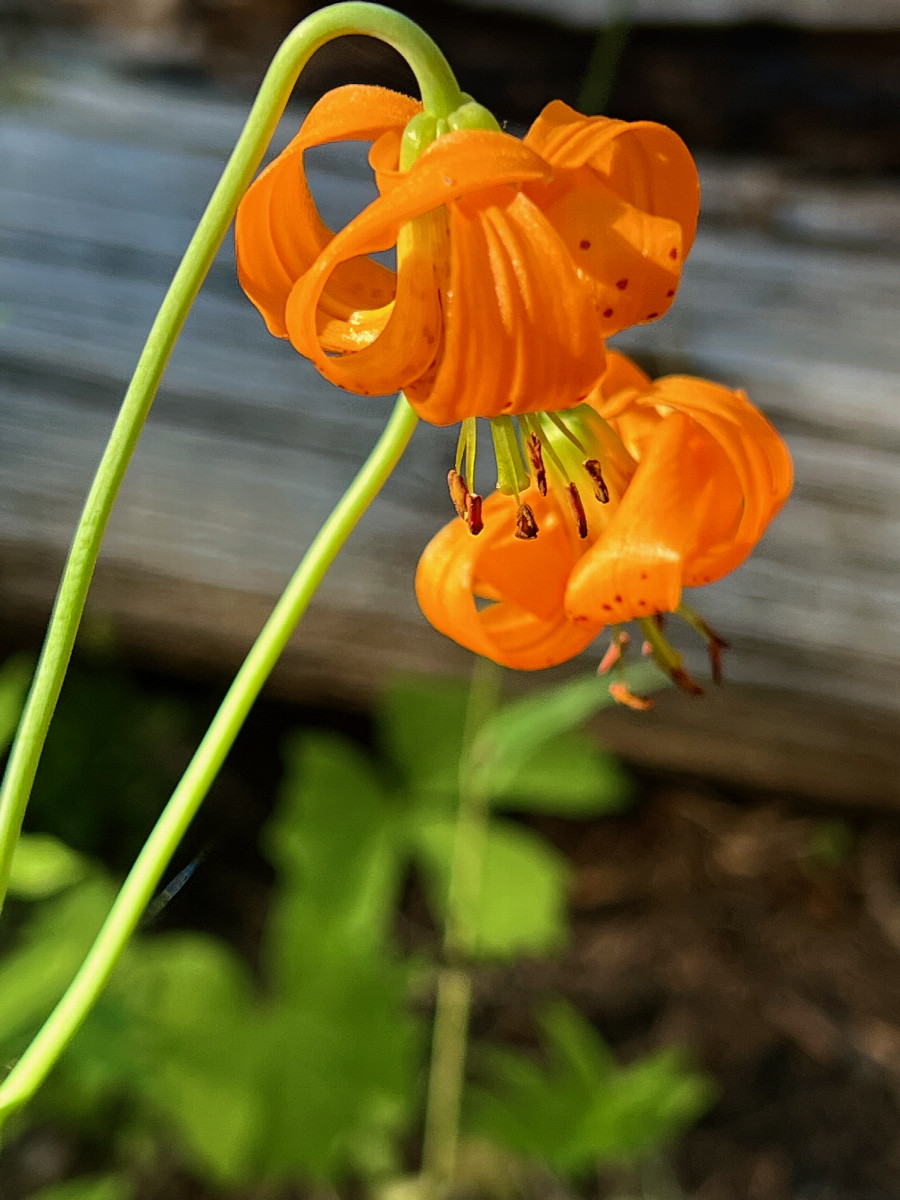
(143, 879)
(454, 982)
(441, 92)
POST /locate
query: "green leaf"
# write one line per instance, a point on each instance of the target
(335, 843)
(339, 1065)
(521, 907)
(42, 866)
(15, 676)
(189, 1045)
(645, 1107)
(569, 776)
(105, 1187)
(522, 727)
(421, 723)
(577, 1108)
(52, 945)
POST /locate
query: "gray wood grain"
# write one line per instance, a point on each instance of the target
(247, 448)
(819, 14)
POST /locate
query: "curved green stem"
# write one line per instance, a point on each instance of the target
(453, 1001)
(440, 93)
(143, 879)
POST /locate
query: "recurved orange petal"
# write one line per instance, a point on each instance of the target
(757, 454)
(625, 199)
(501, 597)
(455, 166)
(520, 329)
(636, 566)
(278, 230)
(643, 162)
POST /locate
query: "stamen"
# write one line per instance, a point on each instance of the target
(593, 468)
(577, 510)
(536, 458)
(553, 458)
(526, 525)
(667, 657)
(512, 475)
(714, 648)
(715, 643)
(564, 429)
(615, 653)
(459, 493)
(461, 445)
(472, 515)
(469, 431)
(622, 694)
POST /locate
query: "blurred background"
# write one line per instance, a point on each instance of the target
(748, 904)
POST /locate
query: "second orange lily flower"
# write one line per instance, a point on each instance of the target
(515, 258)
(692, 475)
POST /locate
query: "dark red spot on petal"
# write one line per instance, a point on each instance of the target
(644, 575)
(584, 244)
(670, 292)
(606, 607)
(618, 599)
(607, 312)
(673, 253)
(621, 284)
(651, 316)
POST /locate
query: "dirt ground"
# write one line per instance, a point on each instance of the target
(766, 938)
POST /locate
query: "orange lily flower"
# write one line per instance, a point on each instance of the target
(687, 473)
(515, 258)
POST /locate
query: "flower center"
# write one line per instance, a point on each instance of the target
(567, 455)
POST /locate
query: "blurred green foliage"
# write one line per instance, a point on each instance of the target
(313, 1069)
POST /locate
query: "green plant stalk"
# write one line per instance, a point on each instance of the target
(609, 46)
(143, 879)
(453, 1001)
(441, 96)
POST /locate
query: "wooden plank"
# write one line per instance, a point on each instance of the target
(818, 14)
(247, 448)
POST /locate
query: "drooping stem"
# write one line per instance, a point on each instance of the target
(454, 981)
(441, 95)
(143, 879)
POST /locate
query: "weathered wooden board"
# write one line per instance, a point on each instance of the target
(818, 14)
(792, 291)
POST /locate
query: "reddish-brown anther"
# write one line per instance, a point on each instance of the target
(526, 525)
(458, 492)
(593, 468)
(472, 514)
(536, 458)
(577, 508)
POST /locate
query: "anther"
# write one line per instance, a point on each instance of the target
(577, 509)
(593, 468)
(472, 515)
(458, 492)
(622, 694)
(715, 646)
(536, 458)
(526, 525)
(615, 653)
(683, 681)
